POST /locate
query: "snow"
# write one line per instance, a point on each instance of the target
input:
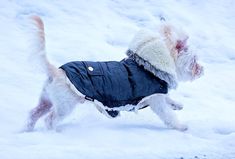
(99, 31)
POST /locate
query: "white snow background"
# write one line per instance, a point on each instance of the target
(101, 30)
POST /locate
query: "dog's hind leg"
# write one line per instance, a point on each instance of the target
(43, 107)
(161, 107)
(62, 107)
(50, 120)
(64, 100)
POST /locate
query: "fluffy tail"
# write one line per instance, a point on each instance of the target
(39, 50)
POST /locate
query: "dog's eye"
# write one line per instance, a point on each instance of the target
(185, 49)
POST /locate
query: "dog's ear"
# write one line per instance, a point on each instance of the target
(167, 30)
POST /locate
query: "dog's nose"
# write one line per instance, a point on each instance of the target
(201, 70)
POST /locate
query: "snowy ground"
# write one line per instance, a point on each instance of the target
(101, 30)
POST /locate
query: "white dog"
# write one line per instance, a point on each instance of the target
(163, 57)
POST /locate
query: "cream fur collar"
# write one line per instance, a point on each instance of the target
(152, 53)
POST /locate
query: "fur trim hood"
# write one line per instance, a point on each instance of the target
(148, 49)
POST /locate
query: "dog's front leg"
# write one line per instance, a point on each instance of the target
(174, 105)
(159, 104)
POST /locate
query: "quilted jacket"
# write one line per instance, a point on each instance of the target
(114, 83)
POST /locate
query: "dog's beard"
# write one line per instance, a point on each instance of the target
(187, 66)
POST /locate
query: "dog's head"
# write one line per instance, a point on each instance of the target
(186, 61)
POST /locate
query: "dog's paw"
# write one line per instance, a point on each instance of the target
(29, 126)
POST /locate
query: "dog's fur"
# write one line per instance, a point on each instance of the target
(59, 97)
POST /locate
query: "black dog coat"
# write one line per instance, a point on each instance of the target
(113, 83)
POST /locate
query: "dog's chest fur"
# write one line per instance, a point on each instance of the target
(114, 83)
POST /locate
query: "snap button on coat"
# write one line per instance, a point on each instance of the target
(90, 68)
(114, 83)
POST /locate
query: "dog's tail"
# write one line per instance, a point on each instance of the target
(39, 48)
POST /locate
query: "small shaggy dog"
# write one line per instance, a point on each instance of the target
(156, 62)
